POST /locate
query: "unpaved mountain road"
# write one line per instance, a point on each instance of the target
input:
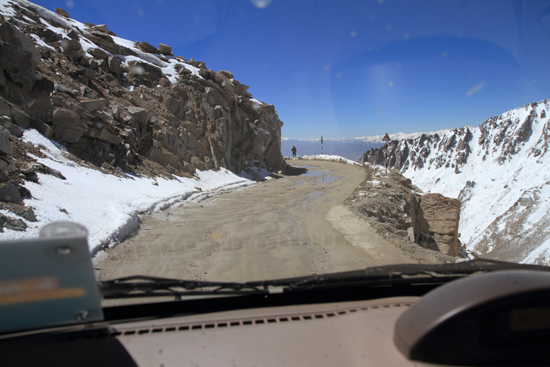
(283, 227)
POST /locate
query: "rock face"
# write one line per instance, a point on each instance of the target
(439, 216)
(499, 172)
(146, 114)
(395, 207)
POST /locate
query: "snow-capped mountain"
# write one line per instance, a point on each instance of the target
(500, 171)
(348, 148)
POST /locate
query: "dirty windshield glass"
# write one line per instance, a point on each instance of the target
(264, 139)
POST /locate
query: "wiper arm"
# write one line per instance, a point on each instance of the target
(146, 286)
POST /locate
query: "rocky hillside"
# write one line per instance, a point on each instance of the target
(392, 205)
(120, 105)
(500, 173)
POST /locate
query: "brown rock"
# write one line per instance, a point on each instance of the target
(146, 47)
(98, 53)
(94, 104)
(439, 216)
(100, 28)
(165, 49)
(62, 12)
(227, 74)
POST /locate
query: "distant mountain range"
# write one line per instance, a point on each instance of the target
(348, 148)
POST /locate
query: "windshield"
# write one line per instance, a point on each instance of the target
(241, 141)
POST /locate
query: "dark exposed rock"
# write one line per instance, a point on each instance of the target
(9, 193)
(10, 223)
(5, 145)
(25, 212)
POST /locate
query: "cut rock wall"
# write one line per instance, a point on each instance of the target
(139, 108)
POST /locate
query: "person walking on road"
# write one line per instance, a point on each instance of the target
(294, 151)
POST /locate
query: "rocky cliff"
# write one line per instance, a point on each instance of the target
(500, 173)
(395, 207)
(120, 105)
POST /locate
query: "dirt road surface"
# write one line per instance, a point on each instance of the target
(287, 226)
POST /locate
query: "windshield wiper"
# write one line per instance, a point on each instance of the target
(146, 286)
(387, 275)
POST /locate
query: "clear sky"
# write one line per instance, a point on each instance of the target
(354, 68)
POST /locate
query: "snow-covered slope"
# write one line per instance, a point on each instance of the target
(501, 173)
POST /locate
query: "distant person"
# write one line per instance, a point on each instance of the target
(294, 151)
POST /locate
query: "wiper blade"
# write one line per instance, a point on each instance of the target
(405, 273)
(146, 286)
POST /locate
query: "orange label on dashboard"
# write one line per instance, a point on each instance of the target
(32, 290)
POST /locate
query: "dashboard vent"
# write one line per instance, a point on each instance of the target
(104, 333)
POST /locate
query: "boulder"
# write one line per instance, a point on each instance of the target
(10, 223)
(42, 108)
(140, 114)
(5, 121)
(175, 107)
(42, 128)
(94, 104)
(438, 216)
(227, 74)
(115, 66)
(98, 53)
(146, 47)
(195, 161)
(162, 156)
(19, 118)
(105, 135)
(17, 64)
(67, 126)
(11, 34)
(62, 12)
(165, 49)
(5, 145)
(100, 28)
(25, 212)
(220, 78)
(68, 119)
(71, 47)
(9, 193)
(104, 41)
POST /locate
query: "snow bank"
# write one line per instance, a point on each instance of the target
(108, 206)
(325, 157)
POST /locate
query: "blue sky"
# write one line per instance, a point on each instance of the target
(354, 68)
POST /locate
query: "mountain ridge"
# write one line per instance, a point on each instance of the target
(499, 172)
